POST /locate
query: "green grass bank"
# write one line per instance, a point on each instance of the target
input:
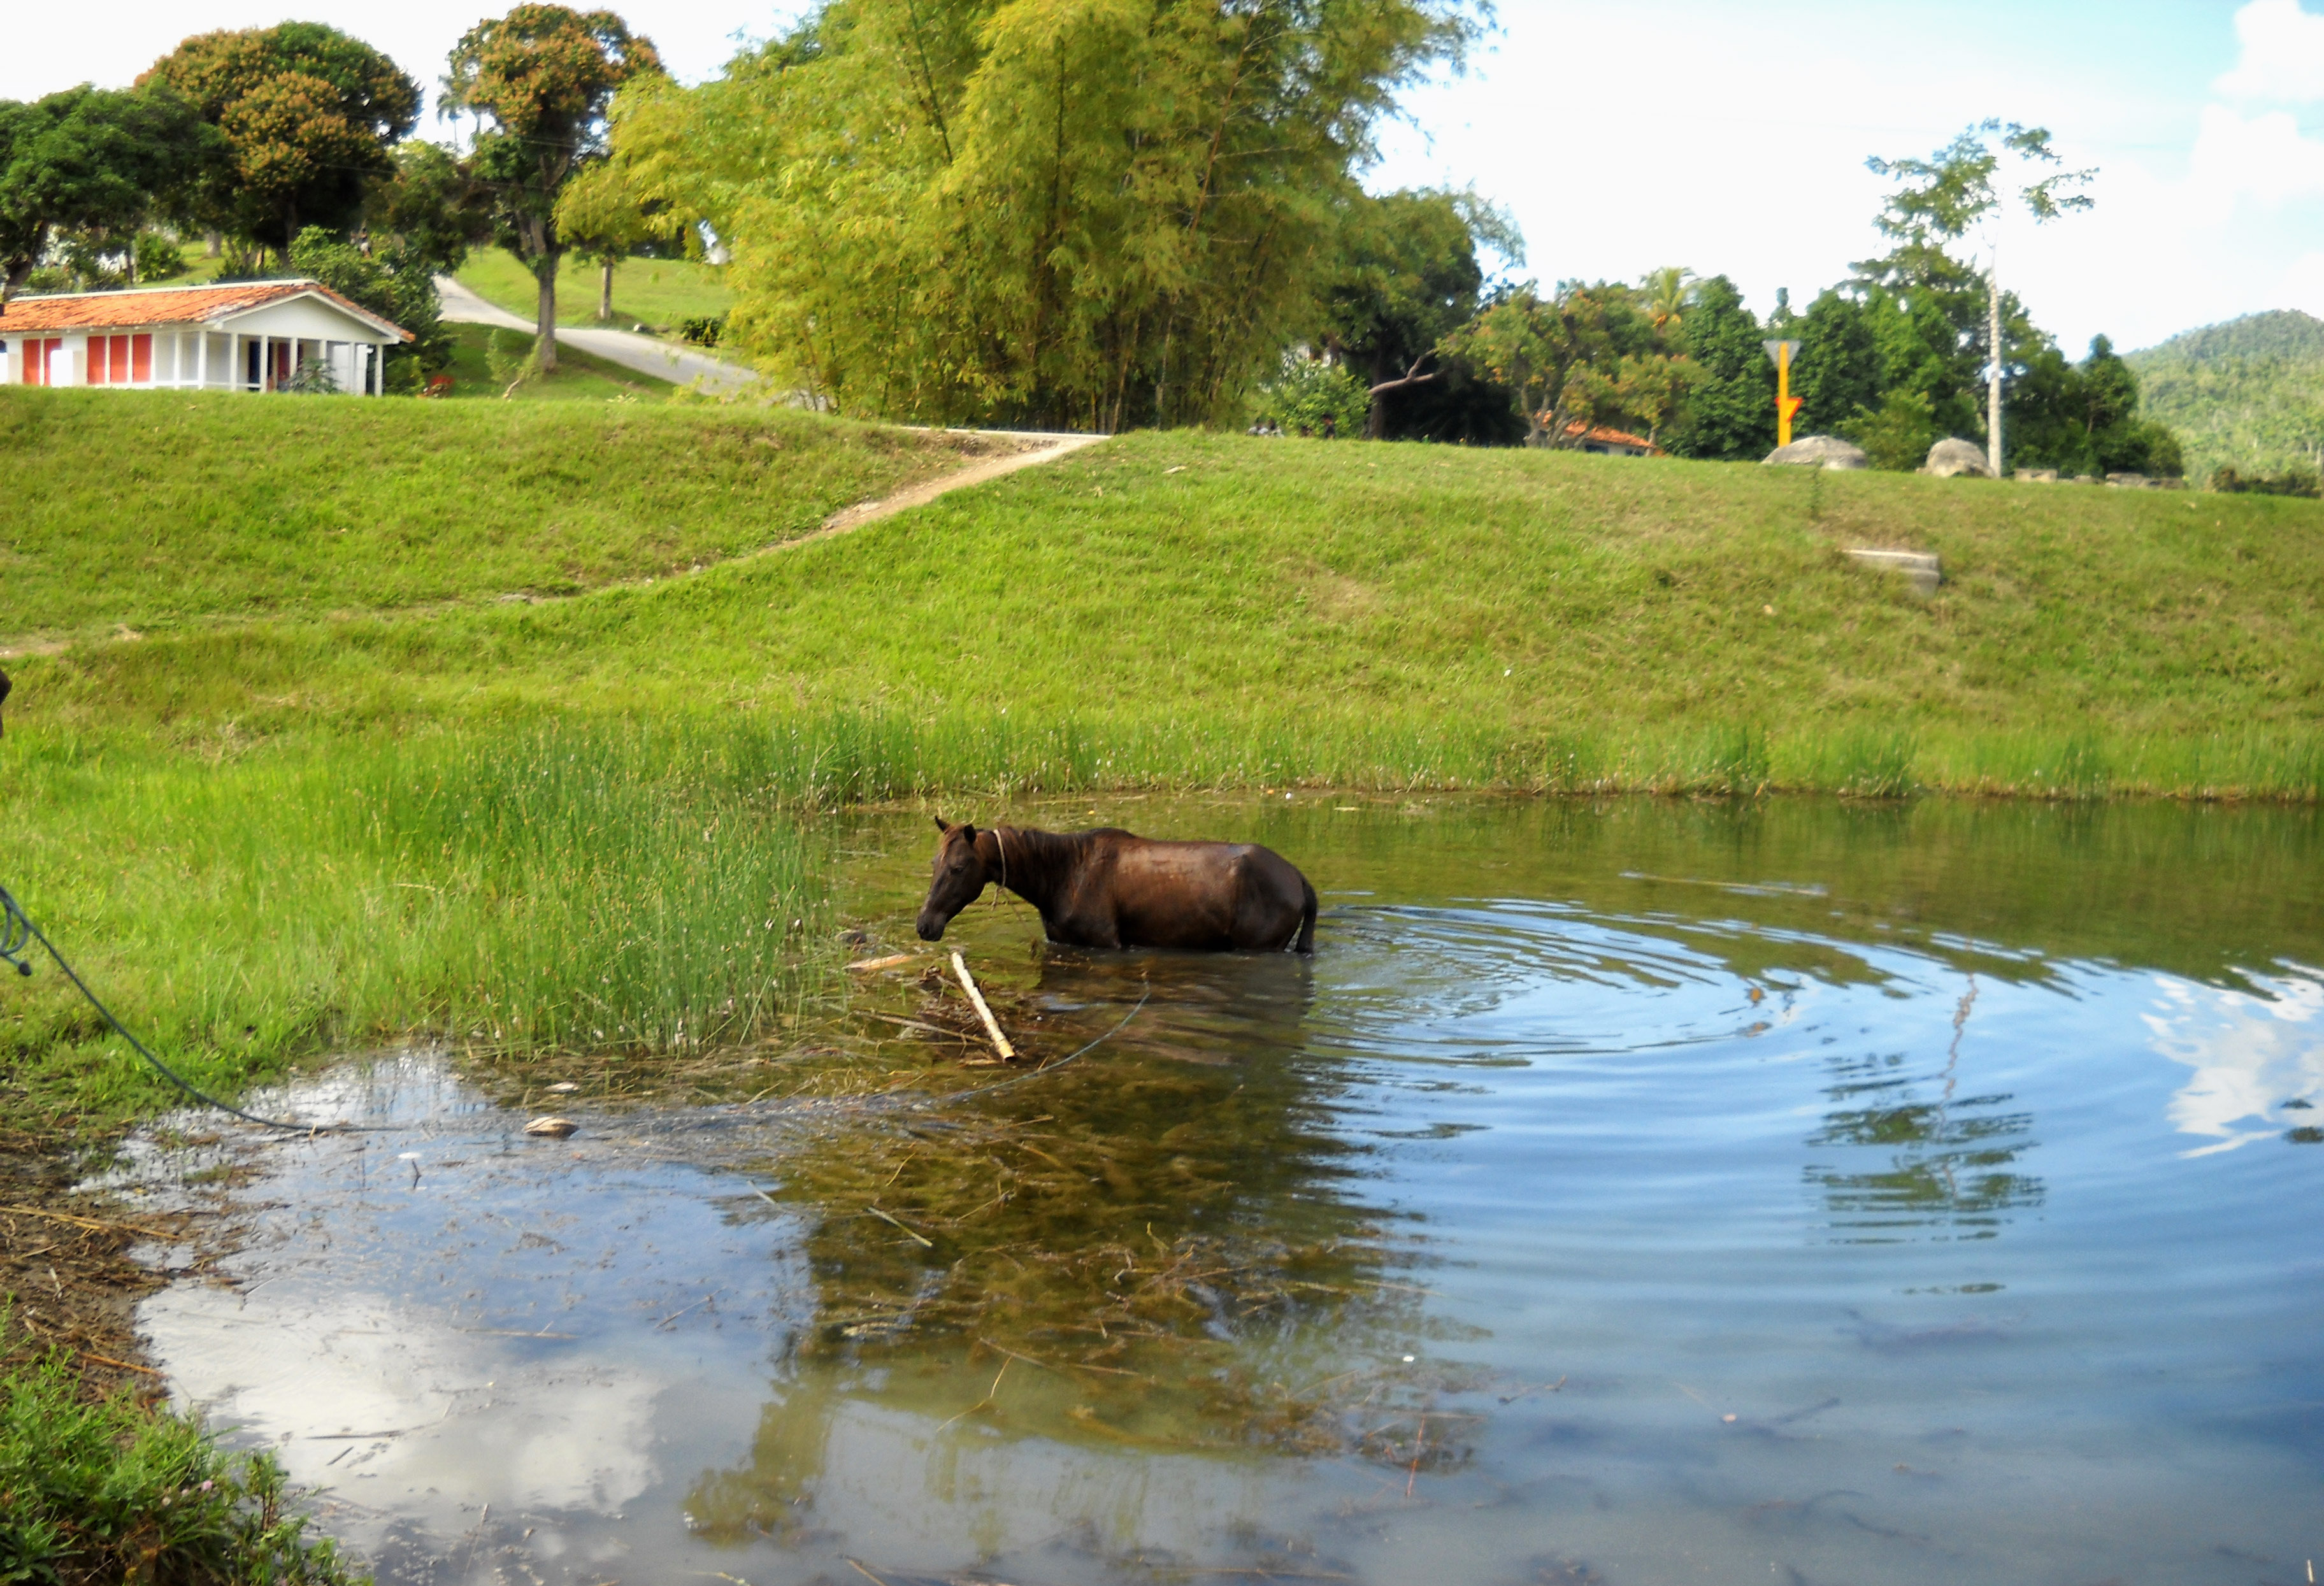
(110, 1491)
(242, 913)
(1196, 610)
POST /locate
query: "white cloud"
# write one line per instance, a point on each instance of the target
(2303, 286)
(2251, 1055)
(2265, 157)
(2283, 59)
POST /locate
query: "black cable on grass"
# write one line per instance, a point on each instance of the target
(17, 933)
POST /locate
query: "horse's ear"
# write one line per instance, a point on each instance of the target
(942, 825)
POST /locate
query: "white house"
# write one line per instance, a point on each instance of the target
(247, 336)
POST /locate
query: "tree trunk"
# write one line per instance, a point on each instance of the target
(544, 344)
(606, 289)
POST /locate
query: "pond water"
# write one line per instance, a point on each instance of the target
(1647, 1192)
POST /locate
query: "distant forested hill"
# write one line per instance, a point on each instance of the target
(2248, 395)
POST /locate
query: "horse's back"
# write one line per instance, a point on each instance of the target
(1193, 894)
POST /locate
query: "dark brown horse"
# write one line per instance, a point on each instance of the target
(1107, 889)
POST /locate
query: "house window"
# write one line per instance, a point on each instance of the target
(120, 360)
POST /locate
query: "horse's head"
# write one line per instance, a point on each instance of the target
(958, 881)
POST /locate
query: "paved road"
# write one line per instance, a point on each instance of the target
(644, 354)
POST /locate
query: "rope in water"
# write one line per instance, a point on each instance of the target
(17, 933)
(1060, 1063)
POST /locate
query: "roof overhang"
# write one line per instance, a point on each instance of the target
(330, 299)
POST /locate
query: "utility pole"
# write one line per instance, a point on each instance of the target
(1993, 387)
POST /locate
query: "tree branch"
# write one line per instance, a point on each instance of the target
(1412, 376)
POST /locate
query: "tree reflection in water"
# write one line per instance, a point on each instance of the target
(1950, 1160)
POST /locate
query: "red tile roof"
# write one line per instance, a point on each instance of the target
(168, 305)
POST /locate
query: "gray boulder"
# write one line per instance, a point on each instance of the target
(1817, 451)
(1954, 458)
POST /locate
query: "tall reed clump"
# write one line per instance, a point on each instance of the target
(566, 886)
(845, 757)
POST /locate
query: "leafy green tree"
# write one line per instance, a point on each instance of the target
(310, 116)
(155, 257)
(2085, 418)
(1409, 277)
(1652, 389)
(1080, 213)
(429, 209)
(1837, 371)
(1731, 414)
(1895, 436)
(92, 165)
(394, 282)
(1588, 355)
(1944, 195)
(1669, 294)
(540, 79)
(602, 215)
(1940, 341)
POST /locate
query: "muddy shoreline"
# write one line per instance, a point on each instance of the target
(67, 1267)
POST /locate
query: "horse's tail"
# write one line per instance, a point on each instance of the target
(1307, 939)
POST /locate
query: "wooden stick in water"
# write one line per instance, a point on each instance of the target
(992, 1025)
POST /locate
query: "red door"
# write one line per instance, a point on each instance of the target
(40, 358)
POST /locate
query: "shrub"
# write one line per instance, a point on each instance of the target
(2294, 481)
(1898, 436)
(157, 257)
(1316, 398)
(115, 1492)
(704, 330)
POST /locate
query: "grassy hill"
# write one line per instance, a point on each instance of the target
(650, 291)
(580, 377)
(2247, 394)
(152, 512)
(1172, 608)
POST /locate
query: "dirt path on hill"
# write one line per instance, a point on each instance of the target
(1035, 447)
(1047, 449)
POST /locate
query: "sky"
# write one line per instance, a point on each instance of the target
(1724, 136)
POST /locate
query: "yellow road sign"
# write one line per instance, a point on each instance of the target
(1787, 406)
